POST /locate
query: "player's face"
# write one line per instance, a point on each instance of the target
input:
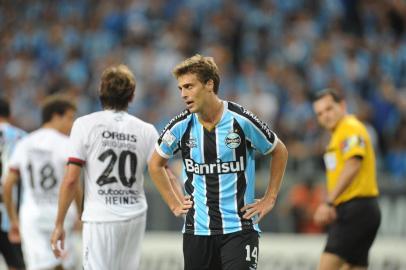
(66, 121)
(328, 112)
(193, 92)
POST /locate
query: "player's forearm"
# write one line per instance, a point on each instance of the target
(163, 184)
(348, 173)
(67, 194)
(277, 170)
(8, 197)
(79, 199)
(8, 201)
(177, 187)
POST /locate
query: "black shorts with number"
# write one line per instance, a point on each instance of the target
(352, 234)
(234, 251)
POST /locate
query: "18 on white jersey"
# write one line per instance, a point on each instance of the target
(114, 148)
(40, 158)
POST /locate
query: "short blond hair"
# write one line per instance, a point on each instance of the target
(204, 67)
(117, 87)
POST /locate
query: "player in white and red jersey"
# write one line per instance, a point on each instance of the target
(39, 160)
(112, 148)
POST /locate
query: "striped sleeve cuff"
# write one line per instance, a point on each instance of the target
(76, 161)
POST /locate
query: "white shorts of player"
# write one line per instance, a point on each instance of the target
(37, 250)
(113, 245)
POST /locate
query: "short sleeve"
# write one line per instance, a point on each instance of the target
(76, 143)
(257, 132)
(152, 139)
(353, 145)
(17, 156)
(262, 138)
(169, 140)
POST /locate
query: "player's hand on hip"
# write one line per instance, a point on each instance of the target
(325, 214)
(258, 209)
(14, 233)
(184, 207)
(58, 241)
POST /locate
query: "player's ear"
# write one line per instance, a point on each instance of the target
(210, 84)
(343, 105)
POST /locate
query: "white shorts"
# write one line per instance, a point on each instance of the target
(37, 250)
(113, 245)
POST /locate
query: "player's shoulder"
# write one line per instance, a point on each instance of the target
(352, 124)
(182, 116)
(88, 118)
(136, 123)
(10, 131)
(241, 113)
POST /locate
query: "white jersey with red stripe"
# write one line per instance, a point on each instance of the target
(40, 158)
(113, 147)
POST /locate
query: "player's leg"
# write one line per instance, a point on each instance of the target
(35, 245)
(352, 267)
(200, 252)
(97, 252)
(132, 235)
(329, 261)
(59, 267)
(11, 252)
(240, 250)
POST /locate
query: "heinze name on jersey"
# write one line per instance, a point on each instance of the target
(215, 168)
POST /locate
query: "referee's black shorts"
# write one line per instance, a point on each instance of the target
(352, 234)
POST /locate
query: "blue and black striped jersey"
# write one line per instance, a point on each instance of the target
(218, 166)
(9, 136)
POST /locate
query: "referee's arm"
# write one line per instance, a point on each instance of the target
(351, 168)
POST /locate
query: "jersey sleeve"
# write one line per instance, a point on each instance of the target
(152, 139)
(169, 140)
(262, 138)
(16, 158)
(77, 145)
(353, 145)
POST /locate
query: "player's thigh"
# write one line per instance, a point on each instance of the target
(201, 252)
(113, 245)
(131, 245)
(37, 248)
(329, 261)
(11, 252)
(240, 250)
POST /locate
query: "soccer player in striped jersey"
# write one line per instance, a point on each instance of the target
(9, 136)
(217, 140)
(112, 148)
(39, 159)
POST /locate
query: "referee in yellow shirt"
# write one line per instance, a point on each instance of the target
(351, 208)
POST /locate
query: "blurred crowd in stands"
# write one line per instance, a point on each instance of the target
(273, 54)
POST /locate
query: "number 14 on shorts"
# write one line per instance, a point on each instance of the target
(252, 253)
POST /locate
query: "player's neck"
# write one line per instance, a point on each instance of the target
(53, 125)
(212, 114)
(50, 125)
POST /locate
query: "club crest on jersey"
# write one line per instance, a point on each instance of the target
(191, 143)
(232, 140)
(168, 138)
